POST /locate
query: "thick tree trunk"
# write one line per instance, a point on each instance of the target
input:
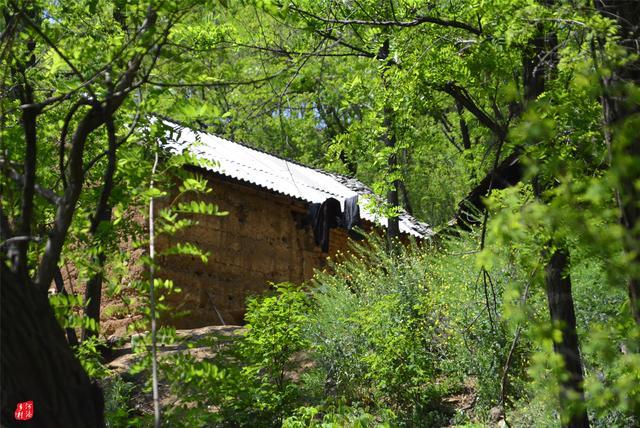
(37, 363)
(560, 302)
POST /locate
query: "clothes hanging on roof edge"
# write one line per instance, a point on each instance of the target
(328, 215)
(351, 217)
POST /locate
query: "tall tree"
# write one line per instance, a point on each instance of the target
(620, 109)
(66, 111)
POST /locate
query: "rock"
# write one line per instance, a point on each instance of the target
(496, 414)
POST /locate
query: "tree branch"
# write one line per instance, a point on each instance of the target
(67, 205)
(216, 84)
(120, 142)
(29, 126)
(328, 35)
(48, 194)
(93, 119)
(377, 23)
(277, 50)
(464, 129)
(53, 46)
(63, 139)
(447, 133)
(462, 96)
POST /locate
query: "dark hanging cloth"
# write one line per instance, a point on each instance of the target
(351, 217)
(323, 217)
(314, 209)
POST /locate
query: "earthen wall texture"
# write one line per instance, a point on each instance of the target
(262, 240)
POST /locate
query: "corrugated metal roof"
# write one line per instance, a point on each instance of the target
(279, 175)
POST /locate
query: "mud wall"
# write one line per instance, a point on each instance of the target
(263, 239)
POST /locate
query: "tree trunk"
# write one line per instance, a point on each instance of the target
(560, 302)
(93, 298)
(389, 140)
(624, 145)
(393, 222)
(93, 292)
(37, 363)
(541, 62)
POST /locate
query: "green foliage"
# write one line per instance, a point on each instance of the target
(67, 308)
(520, 228)
(251, 382)
(332, 84)
(88, 353)
(274, 334)
(382, 333)
(334, 416)
(117, 396)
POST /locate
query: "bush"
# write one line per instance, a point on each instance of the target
(117, 396)
(337, 415)
(380, 336)
(254, 381)
(272, 341)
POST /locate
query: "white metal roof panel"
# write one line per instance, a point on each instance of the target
(277, 174)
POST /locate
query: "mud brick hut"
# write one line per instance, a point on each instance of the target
(269, 234)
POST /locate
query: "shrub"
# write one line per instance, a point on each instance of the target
(117, 396)
(254, 381)
(337, 415)
(378, 333)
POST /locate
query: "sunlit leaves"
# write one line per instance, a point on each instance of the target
(186, 249)
(201, 207)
